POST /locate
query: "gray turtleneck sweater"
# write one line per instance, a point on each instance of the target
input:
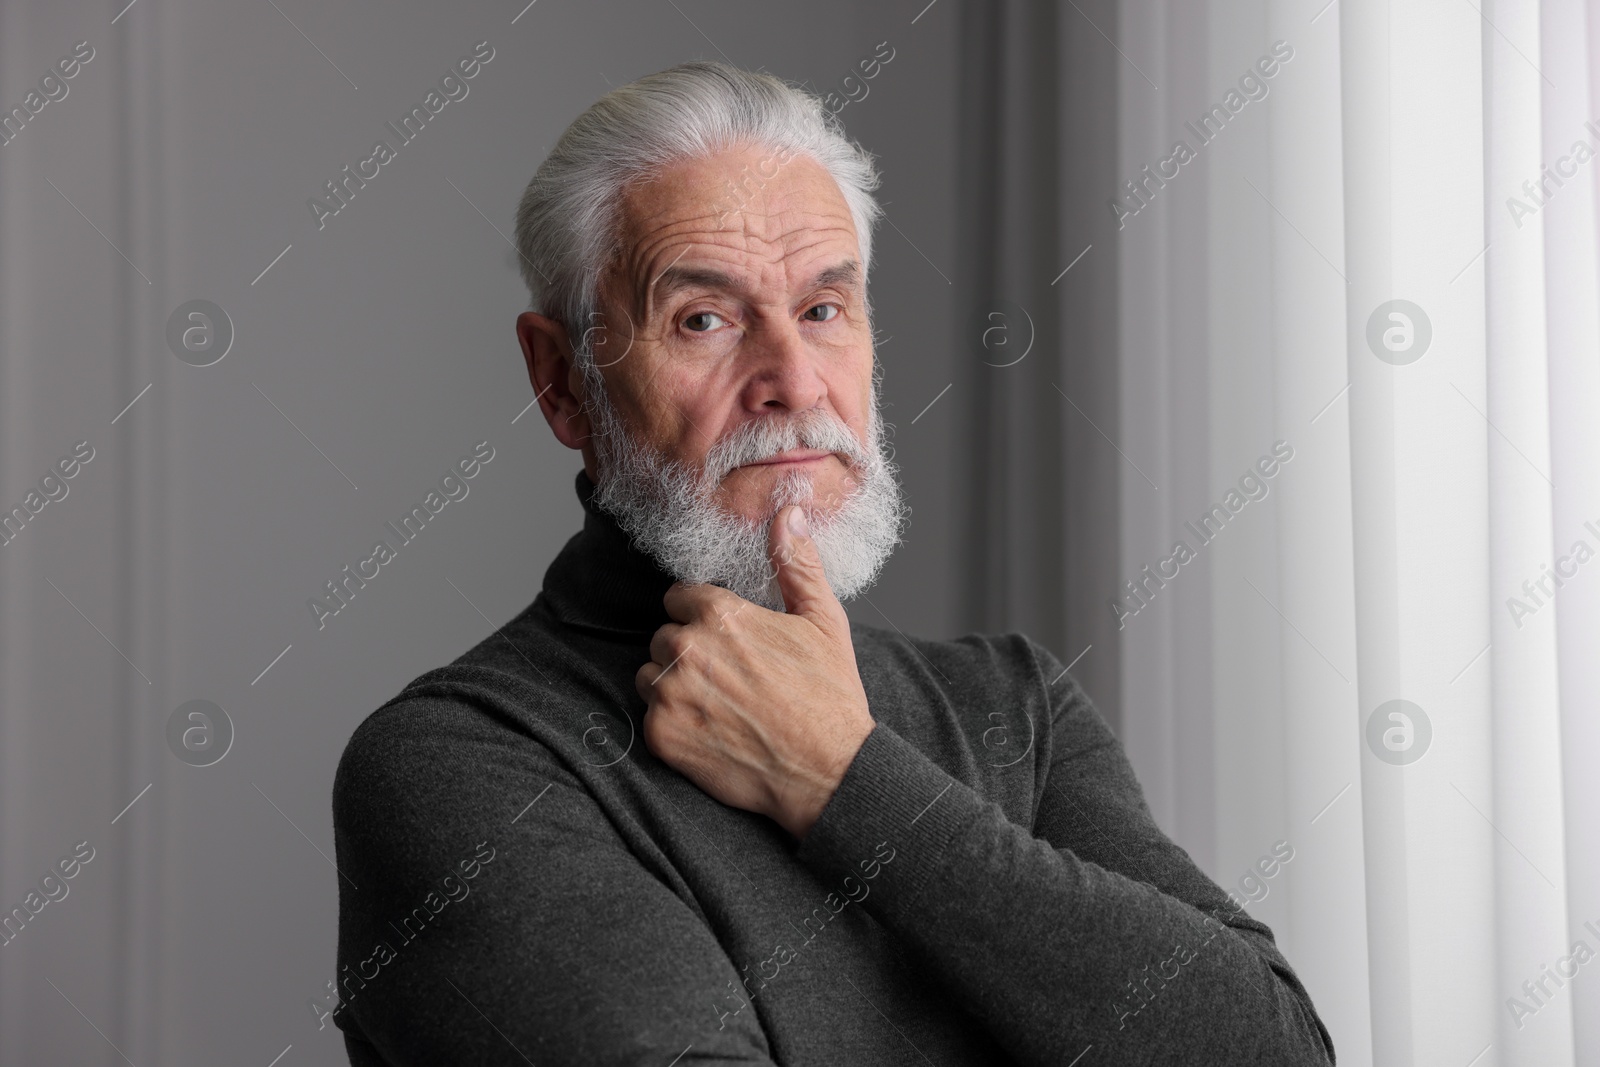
(523, 882)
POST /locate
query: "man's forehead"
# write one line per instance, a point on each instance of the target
(736, 215)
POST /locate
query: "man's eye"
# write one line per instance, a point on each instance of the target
(704, 321)
(822, 312)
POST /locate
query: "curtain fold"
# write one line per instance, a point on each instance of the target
(1038, 491)
(1569, 51)
(1530, 872)
(1302, 177)
(1413, 96)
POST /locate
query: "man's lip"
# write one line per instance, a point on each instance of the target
(798, 455)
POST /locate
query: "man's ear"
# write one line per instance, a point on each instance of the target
(554, 377)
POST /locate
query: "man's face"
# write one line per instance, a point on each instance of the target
(738, 297)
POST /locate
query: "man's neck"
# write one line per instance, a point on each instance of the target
(601, 581)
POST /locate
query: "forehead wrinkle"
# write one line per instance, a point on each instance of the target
(761, 228)
(678, 191)
(748, 279)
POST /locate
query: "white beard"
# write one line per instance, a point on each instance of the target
(668, 507)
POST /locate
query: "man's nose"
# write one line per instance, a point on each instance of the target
(784, 370)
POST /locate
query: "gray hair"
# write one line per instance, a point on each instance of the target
(567, 219)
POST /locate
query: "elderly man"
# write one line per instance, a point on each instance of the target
(681, 810)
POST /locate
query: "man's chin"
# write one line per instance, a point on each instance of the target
(750, 518)
(755, 497)
(761, 514)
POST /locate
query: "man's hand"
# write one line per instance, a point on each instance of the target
(762, 710)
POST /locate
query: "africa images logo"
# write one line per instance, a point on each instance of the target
(1253, 85)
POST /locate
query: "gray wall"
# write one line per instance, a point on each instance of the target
(184, 554)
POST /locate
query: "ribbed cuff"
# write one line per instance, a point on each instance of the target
(894, 795)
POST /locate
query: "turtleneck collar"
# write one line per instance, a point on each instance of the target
(601, 582)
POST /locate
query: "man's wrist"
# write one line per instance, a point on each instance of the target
(805, 806)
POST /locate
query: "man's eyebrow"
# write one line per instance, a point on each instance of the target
(845, 274)
(676, 278)
(673, 279)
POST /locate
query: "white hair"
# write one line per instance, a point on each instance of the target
(567, 219)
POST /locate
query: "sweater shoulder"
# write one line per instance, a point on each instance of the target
(441, 724)
(976, 671)
(995, 657)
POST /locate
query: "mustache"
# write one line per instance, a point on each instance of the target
(766, 437)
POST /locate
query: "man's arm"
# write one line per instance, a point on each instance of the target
(1093, 932)
(562, 948)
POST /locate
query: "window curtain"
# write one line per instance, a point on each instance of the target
(1351, 411)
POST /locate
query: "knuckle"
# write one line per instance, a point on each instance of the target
(718, 601)
(656, 733)
(666, 644)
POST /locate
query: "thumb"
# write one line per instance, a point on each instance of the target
(798, 564)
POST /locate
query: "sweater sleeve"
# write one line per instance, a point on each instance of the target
(490, 914)
(1089, 935)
